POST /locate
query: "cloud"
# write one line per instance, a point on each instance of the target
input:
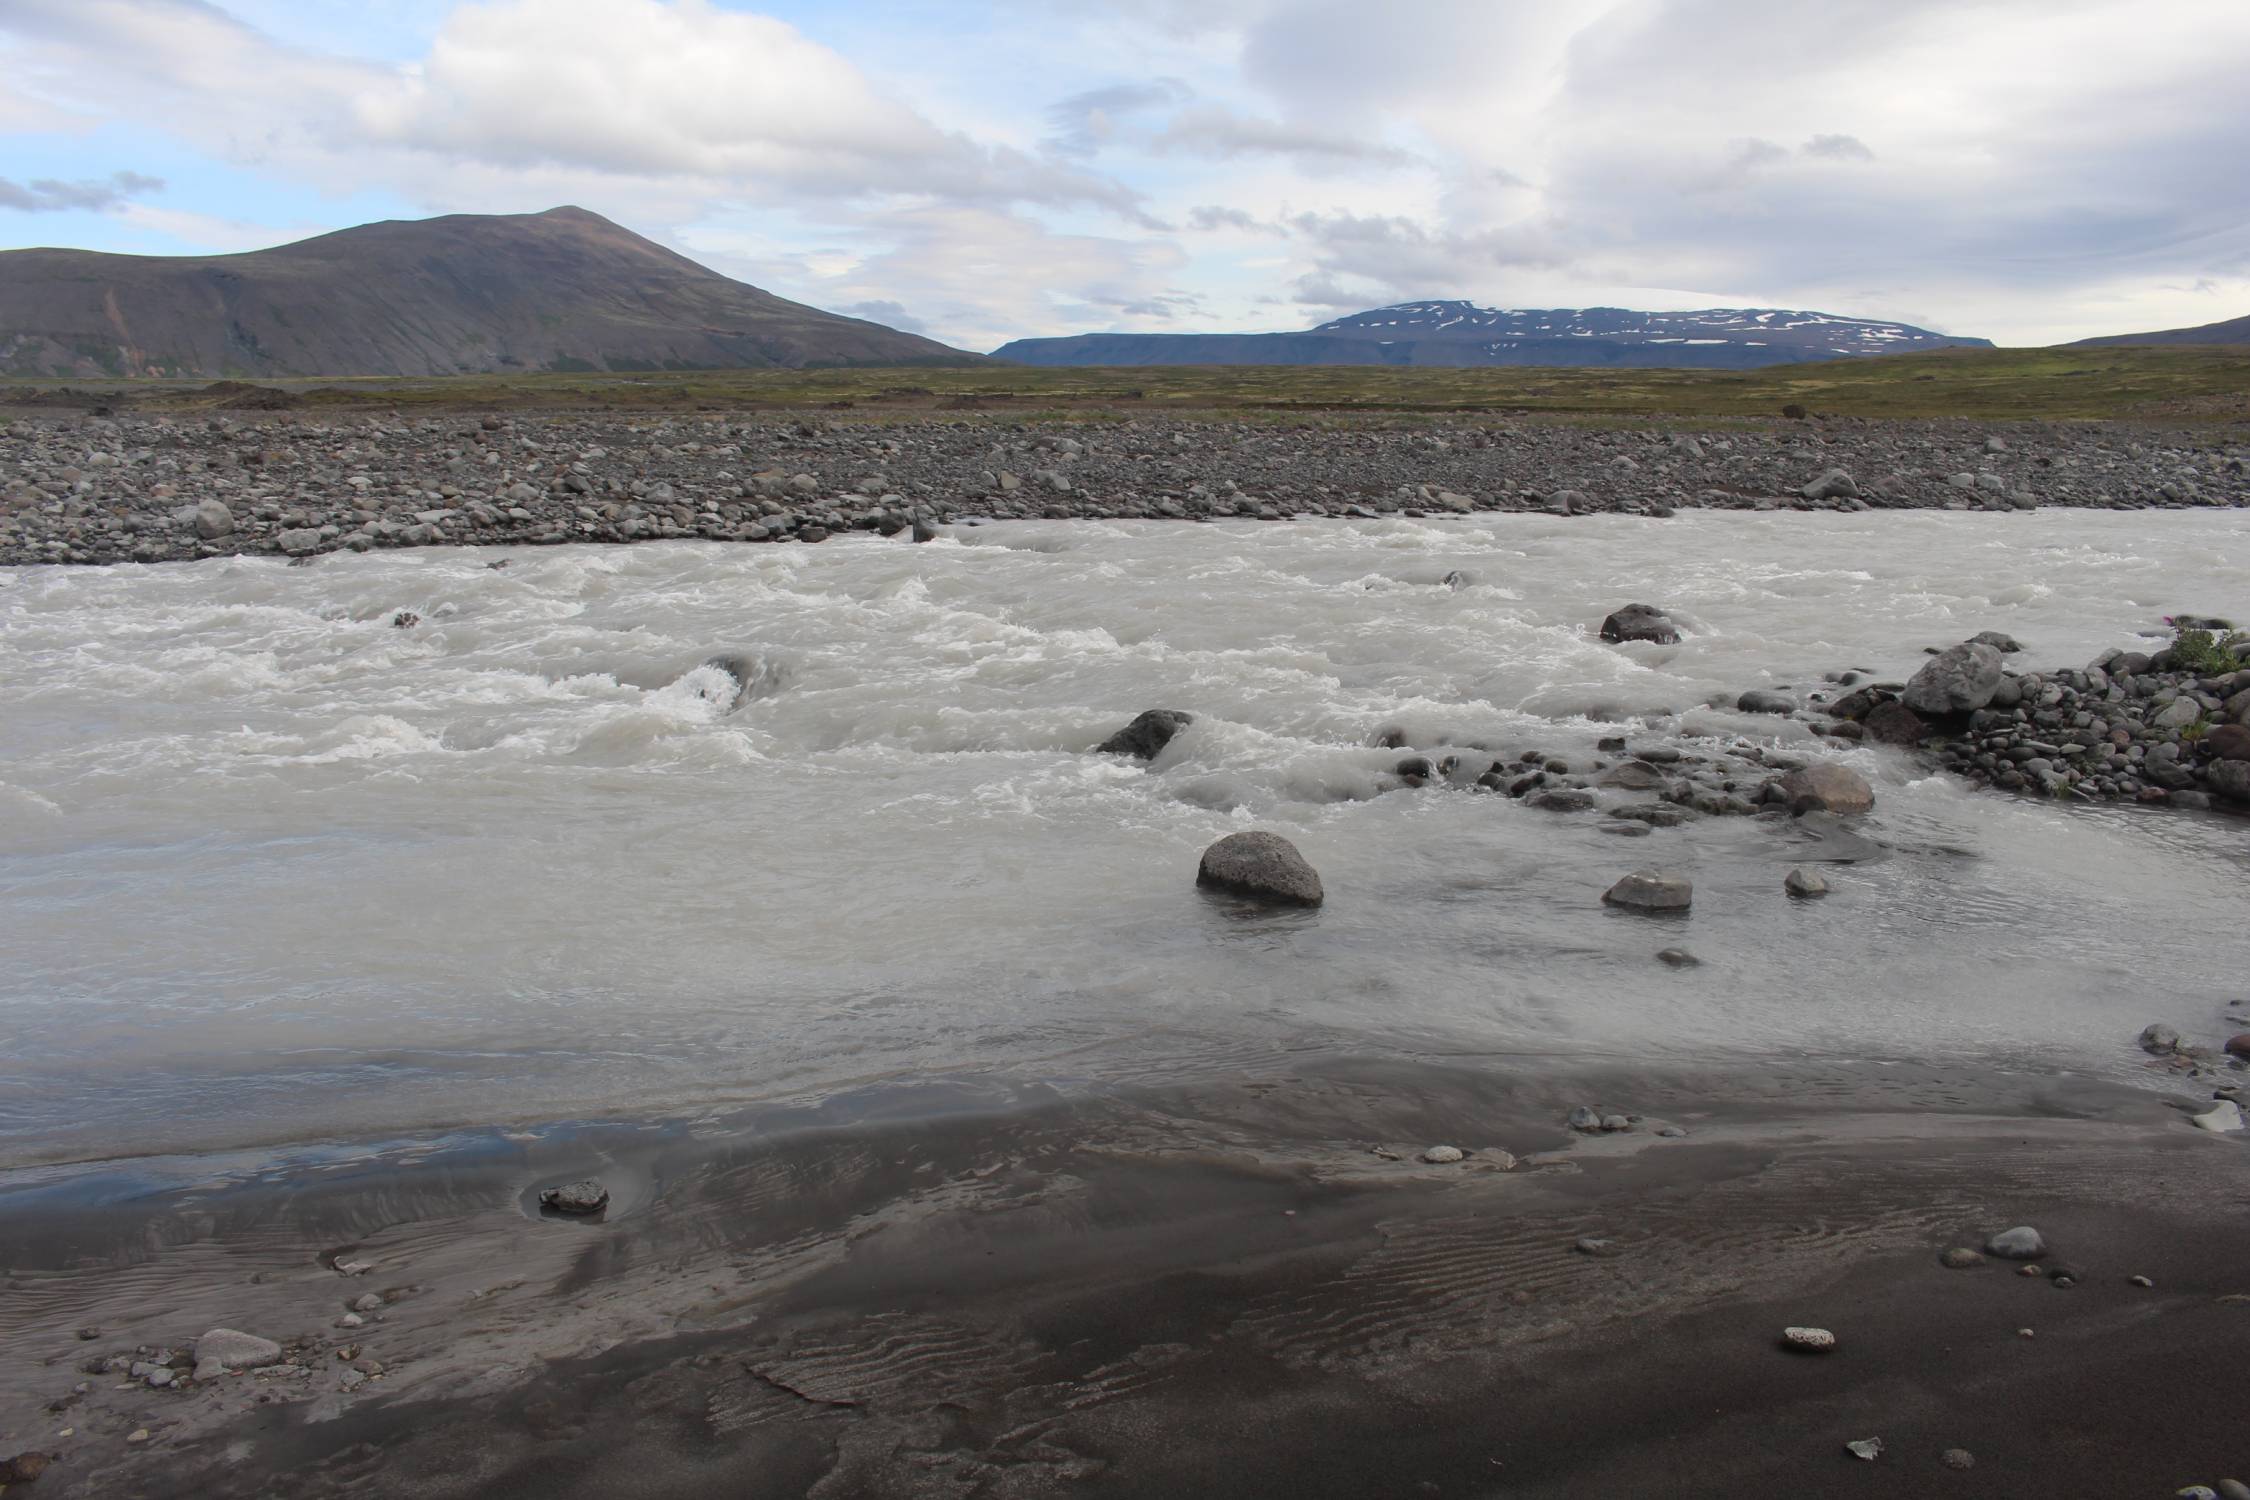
(46, 195)
(1838, 148)
(1210, 217)
(1221, 132)
(890, 314)
(1085, 122)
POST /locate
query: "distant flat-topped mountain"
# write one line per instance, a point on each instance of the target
(2232, 331)
(561, 290)
(1461, 333)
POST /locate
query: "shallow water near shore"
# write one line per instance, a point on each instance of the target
(276, 870)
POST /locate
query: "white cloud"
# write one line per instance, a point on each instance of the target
(2021, 168)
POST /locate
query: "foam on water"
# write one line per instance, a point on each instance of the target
(271, 867)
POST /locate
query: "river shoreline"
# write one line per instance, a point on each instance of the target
(915, 1292)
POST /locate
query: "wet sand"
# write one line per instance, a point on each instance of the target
(954, 1290)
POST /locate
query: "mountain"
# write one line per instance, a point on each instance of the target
(2232, 331)
(561, 290)
(1461, 333)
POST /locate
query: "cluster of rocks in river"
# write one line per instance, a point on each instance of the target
(149, 487)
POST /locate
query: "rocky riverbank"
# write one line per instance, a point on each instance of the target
(79, 488)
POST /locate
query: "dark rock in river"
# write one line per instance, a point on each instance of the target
(1762, 701)
(1958, 680)
(1148, 734)
(1651, 890)
(1825, 788)
(1998, 640)
(1264, 866)
(2229, 779)
(1641, 622)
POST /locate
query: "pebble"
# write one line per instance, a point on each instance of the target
(2197, 1492)
(1811, 1340)
(1599, 1249)
(2142, 1281)
(1960, 1258)
(350, 1320)
(137, 1435)
(1614, 1123)
(2020, 1243)
(1866, 1449)
(1442, 1156)
(2030, 1271)
(1958, 1458)
(1679, 958)
(1582, 1118)
(1670, 1132)
(366, 1302)
(2234, 1489)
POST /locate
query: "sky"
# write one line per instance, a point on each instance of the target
(2029, 171)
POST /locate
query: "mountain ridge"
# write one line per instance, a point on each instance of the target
(459, 294)
(1452, 332)
(2228, 331)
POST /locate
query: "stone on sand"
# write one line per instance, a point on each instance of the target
(2020, 1243)
(1809, 1340)
(584, 1197)
(1442, 1156)
(224, 1349)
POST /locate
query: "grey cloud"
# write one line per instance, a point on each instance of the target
(1403, 258)
(1838, 148)
(46, 195)
(1083, 123)
(889, 314)
(1210, 216)
(1224, 133)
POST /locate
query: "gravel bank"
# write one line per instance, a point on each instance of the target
(100, 489)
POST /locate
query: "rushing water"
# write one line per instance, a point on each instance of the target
(273, 869)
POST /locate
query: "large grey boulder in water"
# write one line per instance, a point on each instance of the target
(1958, 680)
(1147, 734)
(1264, 866)
(1641, 622)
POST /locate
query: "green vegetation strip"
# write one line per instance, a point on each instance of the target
(2162, 384)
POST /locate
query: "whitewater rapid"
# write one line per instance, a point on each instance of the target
(274, 868)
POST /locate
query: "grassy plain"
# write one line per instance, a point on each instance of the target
(2181, 384)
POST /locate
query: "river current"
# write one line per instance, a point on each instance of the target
(273, 869)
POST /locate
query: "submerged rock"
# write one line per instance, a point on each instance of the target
(1264, 866)
(1148, 734)
(1651, 890)
(1824, 787)
(2159, 1040)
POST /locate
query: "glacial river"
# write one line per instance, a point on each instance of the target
(272, 869)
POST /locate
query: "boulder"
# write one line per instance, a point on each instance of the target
(1893, 723)
(1765, 701)
(1833, 485)
(1148, 734)
(1651, 890)
(2228, 742)
(584, 1197)
(1263, 866)
(1825, 787)
(2229, 779)
(1641, 622)
(2020, 1243)
(225, 1349)
(299, 542)
(213, 520)
(1805, 884)
(1958, 680)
